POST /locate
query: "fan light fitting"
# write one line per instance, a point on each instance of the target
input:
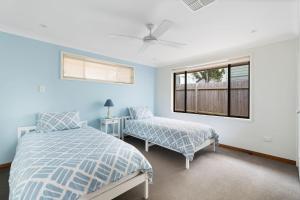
(197, 4)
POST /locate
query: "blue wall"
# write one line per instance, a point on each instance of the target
(25, 64)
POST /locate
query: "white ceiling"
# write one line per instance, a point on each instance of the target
(86, 25)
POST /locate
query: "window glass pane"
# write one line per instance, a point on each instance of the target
(73, 68)
(209, 91)
(179, 92)
(191, 93)
(100, 72)
(125, 74)
(239, 93)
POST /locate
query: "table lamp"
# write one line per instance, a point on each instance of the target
(108, 104)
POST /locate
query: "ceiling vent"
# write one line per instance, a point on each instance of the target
(197, 4)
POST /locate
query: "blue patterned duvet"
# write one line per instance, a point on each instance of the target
(181, 136)
(69, 164)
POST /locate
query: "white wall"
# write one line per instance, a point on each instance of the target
(298, 106)
(273, 101)
(298, 88)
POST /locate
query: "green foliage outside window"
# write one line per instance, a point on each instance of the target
(209, 75)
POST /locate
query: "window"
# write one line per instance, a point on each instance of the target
(83, 68)
(222, 89)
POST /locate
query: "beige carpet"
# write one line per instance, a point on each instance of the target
(225, 175)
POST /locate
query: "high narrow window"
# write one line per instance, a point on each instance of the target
(83, 68)
(221, 89)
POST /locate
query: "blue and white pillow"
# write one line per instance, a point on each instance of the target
(140, 113)
(48, 122)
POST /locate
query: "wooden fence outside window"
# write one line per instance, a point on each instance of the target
(212, 98)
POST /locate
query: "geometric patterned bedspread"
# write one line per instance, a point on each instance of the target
(69, 164)
(181, 136)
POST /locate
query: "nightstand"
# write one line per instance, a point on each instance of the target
(108, 125)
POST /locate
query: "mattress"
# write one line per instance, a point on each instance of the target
(71, 164)
(181, 136)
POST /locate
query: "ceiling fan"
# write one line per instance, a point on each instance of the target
(154, 36)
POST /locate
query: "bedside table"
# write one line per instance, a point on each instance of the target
(107, 123)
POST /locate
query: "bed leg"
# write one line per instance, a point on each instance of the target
(146, 145)
(146, 192)
(214, 146)
(187, 163)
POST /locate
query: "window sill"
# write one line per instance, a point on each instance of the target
(215, 116)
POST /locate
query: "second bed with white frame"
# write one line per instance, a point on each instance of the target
(134, 132)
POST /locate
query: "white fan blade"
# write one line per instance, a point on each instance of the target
(170, 43)
(125, 36)
(162, 28)
(144, 47)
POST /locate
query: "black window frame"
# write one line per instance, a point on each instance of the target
(229, 66)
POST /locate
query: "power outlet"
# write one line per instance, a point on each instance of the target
(268, 139)
(42, 88)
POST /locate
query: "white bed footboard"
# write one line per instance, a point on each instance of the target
(120, 187)
(205, 144)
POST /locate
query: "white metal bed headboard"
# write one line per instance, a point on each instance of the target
(27, 129)
(123, 122)
(24, 130)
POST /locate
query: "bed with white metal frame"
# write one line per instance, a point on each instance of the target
(148, 144)
(112, 190)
